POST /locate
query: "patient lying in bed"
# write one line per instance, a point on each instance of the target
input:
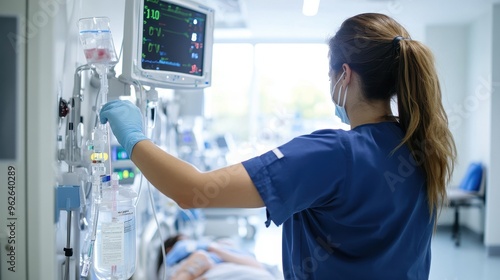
(188, 259)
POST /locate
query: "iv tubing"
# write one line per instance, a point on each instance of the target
(94, 231)
(139, 192)
(158, 224)
(138, 87)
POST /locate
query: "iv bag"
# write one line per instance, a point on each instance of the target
(115, 248)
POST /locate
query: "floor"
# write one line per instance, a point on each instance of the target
(469, 261)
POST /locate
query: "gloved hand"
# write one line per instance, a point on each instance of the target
(182, 249)
(125, 120)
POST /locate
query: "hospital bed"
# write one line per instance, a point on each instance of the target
(224, 271)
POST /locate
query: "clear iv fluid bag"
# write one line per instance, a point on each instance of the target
(97, 42)
(115, 247)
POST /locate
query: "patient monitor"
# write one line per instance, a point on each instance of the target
(168, 43)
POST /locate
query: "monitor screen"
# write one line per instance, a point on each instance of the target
(119, 153)
(168, 43)
(173, 38)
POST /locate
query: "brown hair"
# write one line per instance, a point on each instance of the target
(390, 64)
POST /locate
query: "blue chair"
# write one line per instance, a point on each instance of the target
(469, 193)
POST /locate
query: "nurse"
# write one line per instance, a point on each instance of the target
(358, 204)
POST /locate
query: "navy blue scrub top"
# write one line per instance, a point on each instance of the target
(351, 206)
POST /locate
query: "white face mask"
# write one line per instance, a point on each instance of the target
(340, 109)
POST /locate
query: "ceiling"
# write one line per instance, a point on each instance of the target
(283, 21)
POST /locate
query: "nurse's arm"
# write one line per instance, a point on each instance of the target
(226, 187)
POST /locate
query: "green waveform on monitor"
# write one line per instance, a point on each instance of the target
(178, 33)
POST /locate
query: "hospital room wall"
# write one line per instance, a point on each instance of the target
(45, 40)
(492, 234)
(482, 132)
(463, 55)
(448, 44)
(477, 107)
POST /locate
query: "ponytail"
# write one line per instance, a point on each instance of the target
(423, 118)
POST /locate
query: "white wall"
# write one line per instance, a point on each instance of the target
(449, 46)
(13, 213)
(492, 230)
(476, 109)
(45, 31)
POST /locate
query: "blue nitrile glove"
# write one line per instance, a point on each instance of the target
(182, 249)
(125, 120)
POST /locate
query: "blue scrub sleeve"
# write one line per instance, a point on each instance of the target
(305, 173)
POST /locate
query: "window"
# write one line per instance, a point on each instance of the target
(293, 90)
(227, 100)
(265, 94)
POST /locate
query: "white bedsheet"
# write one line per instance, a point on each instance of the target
(225, 271)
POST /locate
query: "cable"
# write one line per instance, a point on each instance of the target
(138, 87)
(139, 191)
(158, 224)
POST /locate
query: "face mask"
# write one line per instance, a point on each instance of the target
(340, 109)
(342, 114)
